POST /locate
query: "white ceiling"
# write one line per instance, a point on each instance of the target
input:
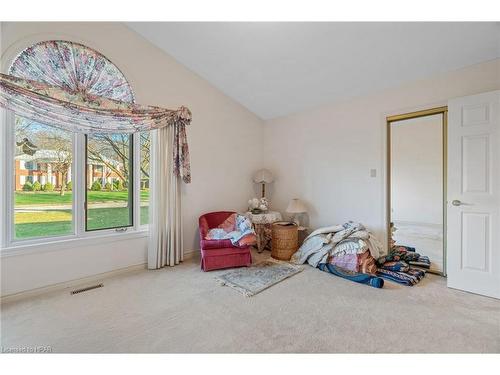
(275, 69)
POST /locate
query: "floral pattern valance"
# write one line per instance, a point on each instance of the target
(82, 112)
(74, 88)
(73, 67)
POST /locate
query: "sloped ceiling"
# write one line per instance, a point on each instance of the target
(275, 69)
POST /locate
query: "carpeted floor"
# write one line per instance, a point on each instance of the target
(182, 309)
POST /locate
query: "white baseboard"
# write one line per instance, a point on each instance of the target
(191, 254)
(82, 281)
(70, 284)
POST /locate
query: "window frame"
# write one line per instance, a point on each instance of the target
(78, 177)
(11, 247)
(131, 195)
(138, 177)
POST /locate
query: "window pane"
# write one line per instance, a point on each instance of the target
(145, 144)
(42, 180)
(109, 181)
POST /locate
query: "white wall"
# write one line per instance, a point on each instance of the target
(417, 170)
(224, 140)
(324, 156)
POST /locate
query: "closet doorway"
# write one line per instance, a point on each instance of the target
(416, 181)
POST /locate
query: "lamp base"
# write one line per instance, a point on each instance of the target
(295, 219)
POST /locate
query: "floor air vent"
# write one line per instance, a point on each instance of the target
(81, 290)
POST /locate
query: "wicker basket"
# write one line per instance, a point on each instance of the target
(285, 241)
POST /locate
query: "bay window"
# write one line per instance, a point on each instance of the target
(64, 185)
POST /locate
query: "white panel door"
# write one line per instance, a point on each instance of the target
(473, 203)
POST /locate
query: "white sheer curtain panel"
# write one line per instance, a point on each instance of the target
(165, 225)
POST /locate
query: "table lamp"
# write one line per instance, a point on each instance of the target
(263, 177)
(296, 207)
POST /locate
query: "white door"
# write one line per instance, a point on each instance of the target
(473, 203)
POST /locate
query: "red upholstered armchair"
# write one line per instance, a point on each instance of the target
(217, 254)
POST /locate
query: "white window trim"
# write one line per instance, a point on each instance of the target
(10, 245)
(136, 173)
(60, 244)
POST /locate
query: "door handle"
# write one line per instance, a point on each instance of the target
(456, 202)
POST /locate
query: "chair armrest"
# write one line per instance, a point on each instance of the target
(203, 228)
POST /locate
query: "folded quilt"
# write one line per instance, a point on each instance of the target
(400, 253)
(349, 246)
(363, 263)
(399, 266)
(422, 262)
(348, 262)
(409, 278)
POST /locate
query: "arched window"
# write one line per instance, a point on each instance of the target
(72, 66)
(52, 166)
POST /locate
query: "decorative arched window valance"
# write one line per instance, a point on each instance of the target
(73, 87)
(73, 67)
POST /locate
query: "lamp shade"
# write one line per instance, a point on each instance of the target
(296, 206)
(263, 177)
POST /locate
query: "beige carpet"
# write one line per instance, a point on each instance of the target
(182, 309)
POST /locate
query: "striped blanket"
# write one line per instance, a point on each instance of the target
(422, 262)
(409, 278)
(403, 265)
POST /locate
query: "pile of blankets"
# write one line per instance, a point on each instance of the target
(351, 252)
(348, 238)
(346, 250)
(403, 265)
(237, 228)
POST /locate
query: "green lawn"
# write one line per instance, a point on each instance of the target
(112, 217)
(97, 218)
(54, 228)
(41, 197)
(57, 222)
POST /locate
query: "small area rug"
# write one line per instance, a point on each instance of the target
(255, 279)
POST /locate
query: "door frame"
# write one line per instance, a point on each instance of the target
(406, 116)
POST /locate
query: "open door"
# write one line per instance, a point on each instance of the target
(416, 183)
(473, 199)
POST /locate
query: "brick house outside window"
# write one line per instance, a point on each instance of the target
(39, 167)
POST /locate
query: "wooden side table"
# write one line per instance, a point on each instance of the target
(262, 224)
(285, 240)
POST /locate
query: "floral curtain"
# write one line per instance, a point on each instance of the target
(74, 88)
